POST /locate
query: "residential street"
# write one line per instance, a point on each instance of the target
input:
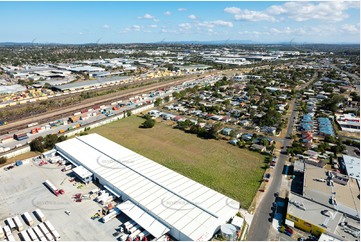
(261, 225)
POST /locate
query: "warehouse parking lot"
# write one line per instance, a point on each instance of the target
(23, 191)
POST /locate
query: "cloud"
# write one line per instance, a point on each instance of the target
(286, 30)
(211, 24)
(246, 32)
(163, 30)
(185, 26)
(192, 16)
(167, 13)
(249, 15)
(232, 10)
(105, 26)
(153, 26)
(351, 28)
(182, 9)
(302, 11)
(146, 16)
(136, 27)
(330, 11)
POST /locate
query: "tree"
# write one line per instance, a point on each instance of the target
(3, 160)
(37, 144)
(330, 139)
(50, 141)
(166, 99)
(264, 142)
(158, 101)
(149, 123)
(227, 102)
(129, 113)
(62, 138)
(332, 103)
(47, 85)
(213, 131)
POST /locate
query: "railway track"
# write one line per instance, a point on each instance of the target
(86, 104)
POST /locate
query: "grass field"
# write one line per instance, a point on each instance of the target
(21, 157)
(227, 169)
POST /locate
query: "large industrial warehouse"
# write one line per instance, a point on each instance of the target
(157, 198)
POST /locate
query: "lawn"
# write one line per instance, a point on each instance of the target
(227, 169)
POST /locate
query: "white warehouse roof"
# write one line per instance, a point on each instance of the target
(190, 210)
(352, 166)
(82, 172)
(146, 221)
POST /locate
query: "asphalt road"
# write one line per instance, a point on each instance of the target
(260, 226)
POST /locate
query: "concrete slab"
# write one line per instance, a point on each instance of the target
(23, 191)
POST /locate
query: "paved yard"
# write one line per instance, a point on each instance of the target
(23, 191)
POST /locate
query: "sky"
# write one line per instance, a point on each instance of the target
(150, 21)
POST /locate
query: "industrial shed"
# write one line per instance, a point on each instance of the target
(92, 83)
(188, 209)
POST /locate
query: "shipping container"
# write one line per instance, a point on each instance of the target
(52, 187)
(46, 232)
(143, 234)
(2, 234)
(110, 216)
(32, 124)
(32, 235)
(11, 237)
(49, 225)
(56, 235)
(7, 139)
(84, 111)
(33, 131)
(28, 219)
(67, 168)
(10, 223)
(24, 236)
(61, 131)
(73, 119)
(38, 233)
(21, 136)
(84, 117)
(77, 113)
(7, 230)
(40, 215)
(18, 224)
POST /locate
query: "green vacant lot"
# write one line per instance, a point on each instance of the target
(227, 169)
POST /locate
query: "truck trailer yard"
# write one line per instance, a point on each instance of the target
(23, 191)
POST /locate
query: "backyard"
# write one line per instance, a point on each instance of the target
(225, 168)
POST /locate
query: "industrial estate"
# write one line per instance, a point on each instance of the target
(179, 142)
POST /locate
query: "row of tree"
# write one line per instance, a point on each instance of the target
(47, 142)
(206, 133)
